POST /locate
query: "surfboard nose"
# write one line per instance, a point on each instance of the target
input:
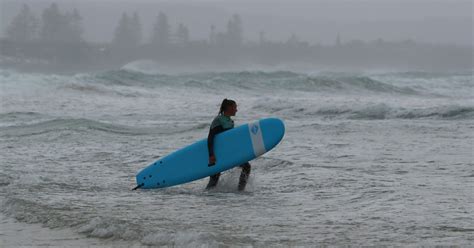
(273, 130)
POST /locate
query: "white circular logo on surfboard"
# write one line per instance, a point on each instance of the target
(257, 138)
(254, 129)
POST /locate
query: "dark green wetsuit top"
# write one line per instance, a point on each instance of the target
(220, 124)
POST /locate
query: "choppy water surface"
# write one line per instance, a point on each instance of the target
(368, 159)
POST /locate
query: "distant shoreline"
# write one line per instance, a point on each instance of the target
(85, 57)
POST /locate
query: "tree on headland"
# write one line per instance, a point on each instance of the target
(182, 35)
(74, 25)
(24, 26)
(235, 31)
(161, 31)
(52, 20)
(122, 34)
(233, 37)
(128, 31)
(136, 29)
(58, 27)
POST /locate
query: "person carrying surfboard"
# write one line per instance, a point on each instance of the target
(222, 122)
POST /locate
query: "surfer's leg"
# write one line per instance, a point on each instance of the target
(244, 176)
(213, 181)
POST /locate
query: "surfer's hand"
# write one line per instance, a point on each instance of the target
(212, 161)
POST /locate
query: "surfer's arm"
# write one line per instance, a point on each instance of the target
(210, 138)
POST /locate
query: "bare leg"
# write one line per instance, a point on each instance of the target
(244, 176)
(213, 181)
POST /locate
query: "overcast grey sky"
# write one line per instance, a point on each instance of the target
(318, 21)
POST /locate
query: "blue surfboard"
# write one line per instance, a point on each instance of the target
(231, 148)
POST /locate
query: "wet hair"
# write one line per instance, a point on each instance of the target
(226, 103)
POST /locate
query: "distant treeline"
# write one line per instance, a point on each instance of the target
(56, 39)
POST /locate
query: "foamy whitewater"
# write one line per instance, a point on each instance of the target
(380, 158)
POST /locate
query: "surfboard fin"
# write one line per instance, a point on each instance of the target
(138, 186)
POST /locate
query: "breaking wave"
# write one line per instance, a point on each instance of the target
(378, 111)
(126, 82)
(100, 83)
(258, 80)
(85, 125)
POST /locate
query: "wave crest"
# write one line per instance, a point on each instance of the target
(378, 111)
(253, 80)
(78, 125)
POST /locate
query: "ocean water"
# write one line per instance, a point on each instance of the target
(368, 158)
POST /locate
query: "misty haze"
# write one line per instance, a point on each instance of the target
(228, 123)
(426, 35)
